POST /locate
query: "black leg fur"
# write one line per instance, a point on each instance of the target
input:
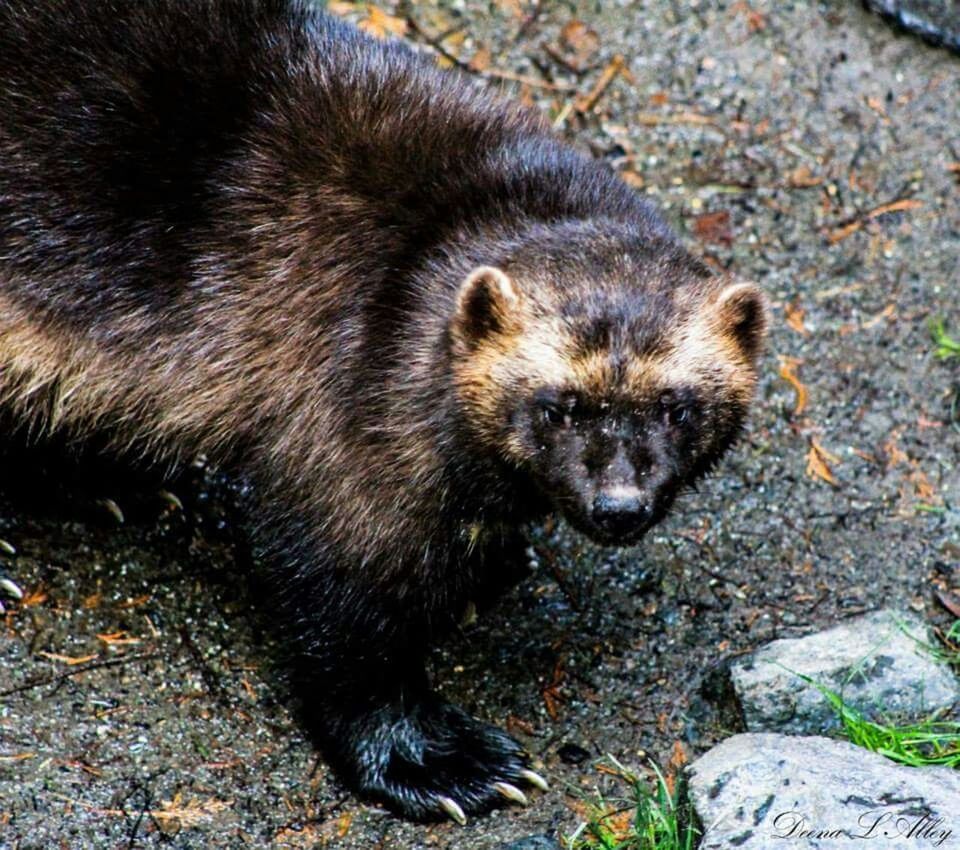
(359, 672)
(415, 753)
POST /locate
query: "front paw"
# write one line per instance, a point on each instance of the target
(432, 760)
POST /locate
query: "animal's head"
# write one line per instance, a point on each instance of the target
(615, 371)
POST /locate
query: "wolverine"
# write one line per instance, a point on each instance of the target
(390, 301)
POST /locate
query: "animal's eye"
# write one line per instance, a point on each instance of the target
(679, 414)
(554, 415)
(675, 411)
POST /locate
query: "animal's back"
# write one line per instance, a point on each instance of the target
(136, 133)
(209, 189)
(118, 119)
(204, 189)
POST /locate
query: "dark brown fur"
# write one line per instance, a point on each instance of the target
(239, 228)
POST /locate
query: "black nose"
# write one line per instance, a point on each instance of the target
(619, 514)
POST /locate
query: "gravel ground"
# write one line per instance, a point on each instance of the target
(773, 135)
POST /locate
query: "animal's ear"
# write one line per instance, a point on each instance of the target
(742, 316)
(488, 303)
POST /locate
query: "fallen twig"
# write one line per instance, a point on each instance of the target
(191, 814)
(436, 43)
(96, 665)
(840, 233)
(586, 102)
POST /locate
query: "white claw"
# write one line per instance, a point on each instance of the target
(11, 588)
(171, 498)
(535, 779)
(114, 509)
(511, 792)
(452, 808)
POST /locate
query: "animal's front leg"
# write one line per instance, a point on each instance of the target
(361, 675)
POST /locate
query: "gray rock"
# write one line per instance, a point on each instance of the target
(937, 21)
(758, 791)
(875, 666)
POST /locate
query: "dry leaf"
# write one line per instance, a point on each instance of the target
(579, 43)
(118, 639)
(756, 21)
(818, 463)
(335, 7)
(802, 178)
(923, 488)
(34, 597)
(455, 39)
(895, 206)
(18, 757)
(950, 601)
(136, 602)
(620, 824)
(841, 233)
(191, 814)
(608, 770)
(887, 312)
(80, 765)
(310, 835)
(480, 60)
(170, 814)
(894, 454)
(876, 105)
(795, 316)
(714, 227)
(68, 659)
(378, 23)
(788, 371)
(903, 205)
(579, 807)
(223, 765)
(518, 724)
(678, 758)
(552, 695)
(251, 691)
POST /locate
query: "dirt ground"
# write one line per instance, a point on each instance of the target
(802, 145)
